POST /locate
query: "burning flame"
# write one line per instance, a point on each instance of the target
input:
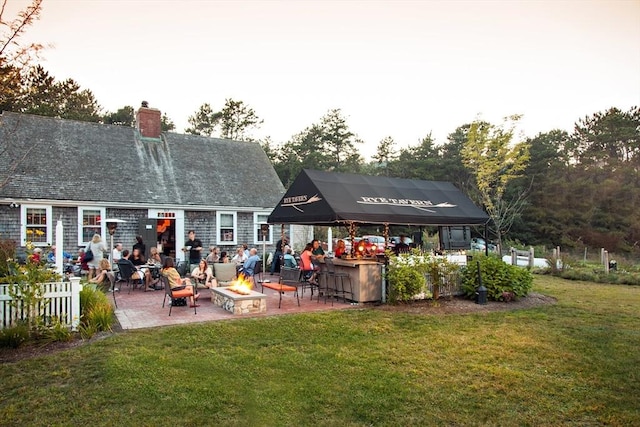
(241, 286)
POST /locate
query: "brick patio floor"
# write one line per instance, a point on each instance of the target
(140, 309)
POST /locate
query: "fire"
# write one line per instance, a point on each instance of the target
(241, 286)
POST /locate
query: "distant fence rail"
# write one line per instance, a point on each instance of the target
(61, 299)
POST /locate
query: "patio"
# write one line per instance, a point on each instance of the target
(140, 309)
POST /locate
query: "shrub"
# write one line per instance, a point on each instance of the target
(96, 312)
(14, 336)
(58, 331)
(499, 278)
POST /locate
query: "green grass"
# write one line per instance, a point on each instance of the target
(572, 363)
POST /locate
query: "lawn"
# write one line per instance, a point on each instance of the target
(573, 363)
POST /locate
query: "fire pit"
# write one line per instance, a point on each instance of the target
(238, 298)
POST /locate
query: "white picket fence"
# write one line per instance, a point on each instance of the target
(61, 299)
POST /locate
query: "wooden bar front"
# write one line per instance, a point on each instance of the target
(366, 278)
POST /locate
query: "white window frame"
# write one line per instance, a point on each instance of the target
(235, 228)
(256, 226)
(49, 226)
(103, 215)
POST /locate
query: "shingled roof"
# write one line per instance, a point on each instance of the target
(80, 161)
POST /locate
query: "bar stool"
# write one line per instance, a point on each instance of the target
(339, 291)
(323, 284)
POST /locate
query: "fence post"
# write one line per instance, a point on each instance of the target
(532, 254)
(75, 302)
(514, 256)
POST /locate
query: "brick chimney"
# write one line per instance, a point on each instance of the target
(148, 121)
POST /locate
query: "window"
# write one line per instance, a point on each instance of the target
(89, 224)
(227, 224)
(36, 225)
(259, 220)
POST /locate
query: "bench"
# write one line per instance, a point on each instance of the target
(289, 282)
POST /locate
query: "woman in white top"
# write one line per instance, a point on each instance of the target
(98, 249)
(240, 257)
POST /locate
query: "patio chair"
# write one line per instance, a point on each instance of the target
(126, 273)
(182, 268)
(225, 273)
(173, 294)
(289, 282)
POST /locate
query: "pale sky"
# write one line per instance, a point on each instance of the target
(395, 68)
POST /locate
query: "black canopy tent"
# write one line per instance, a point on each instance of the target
(330, 198)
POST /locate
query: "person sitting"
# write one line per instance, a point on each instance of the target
(239, 257)
(202, 275)
(137, 258)
(289, 259)
(224, 258)
(306, 264)
(213, 256)
(35, 256)
(154, 263)
(249, 266)
(175, 281)
(51, 257)
(137, 274)
(101, 278)
(341, 248)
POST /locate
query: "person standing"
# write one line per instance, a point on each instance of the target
(275, 263)
(98, 249)
(140, 245)
(194, 248)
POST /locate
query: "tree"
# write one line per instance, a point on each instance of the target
(495, 161)
(125, 116)
(204, 121)
(386, 154)
(166, 124)
(41, 94)
(607, 138)
(338, 142)
(235, 119)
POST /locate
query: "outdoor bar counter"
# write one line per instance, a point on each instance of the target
(366, 277)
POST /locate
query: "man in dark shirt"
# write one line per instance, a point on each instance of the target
(194, 247)
(402, 246)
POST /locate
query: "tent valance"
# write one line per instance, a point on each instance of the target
(326, 198)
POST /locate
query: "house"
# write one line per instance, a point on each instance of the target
(161, 184)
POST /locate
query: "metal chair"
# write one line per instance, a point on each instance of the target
(332, 274)
(126, 273)
(182, 268)
(177, 292)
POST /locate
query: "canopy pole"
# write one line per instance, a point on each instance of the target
(386, 235)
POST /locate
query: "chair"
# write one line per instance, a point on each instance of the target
(323, 284)
(112, 279)
(178, 292)
(182, 268)
(289, 282)
(333, 275)
(126, 272)
(305, 275)
(257, 272)
(225, 273)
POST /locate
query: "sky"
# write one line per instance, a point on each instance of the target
(404, 69)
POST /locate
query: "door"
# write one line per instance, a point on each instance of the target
(147, 229)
